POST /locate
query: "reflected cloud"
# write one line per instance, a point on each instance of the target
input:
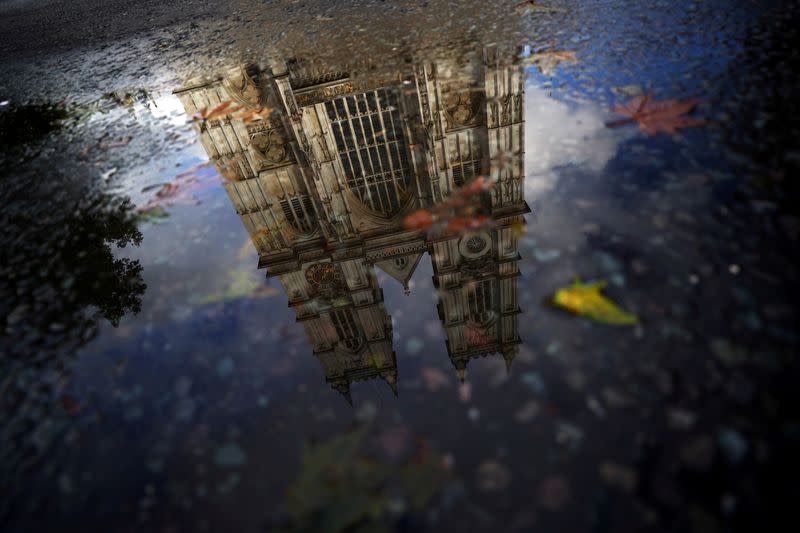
(559, 135)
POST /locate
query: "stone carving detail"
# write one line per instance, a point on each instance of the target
(241, 87)
(505, 114)
(461, 108)
(378, 255)
(517, 108)
(294, 112)
(270, 145)
(479, 267)
(330, 92)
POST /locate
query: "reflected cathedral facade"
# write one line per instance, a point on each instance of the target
(324, 182)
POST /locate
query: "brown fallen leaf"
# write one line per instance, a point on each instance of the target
(225, 108)
(456, 214)
(461, 223)
(477, 337)
(667, 116)
(395, 442)
(553, 492)
(533, 5)
(70, 405)
(527, 412)
(252, 115)
(548, 60)
(419, 220)
(114, 143)
(434, 379)
(181, 190)
(229, 170)
(492, 476)
(619, 476)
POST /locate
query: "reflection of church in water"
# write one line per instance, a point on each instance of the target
(326, 180)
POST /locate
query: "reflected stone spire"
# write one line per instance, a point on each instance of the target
(343, 388)
(461, 370)
(509, 353)
(391, 379)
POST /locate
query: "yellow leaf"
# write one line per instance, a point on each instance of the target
(587, 301)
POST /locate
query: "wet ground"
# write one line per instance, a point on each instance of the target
(330, 356)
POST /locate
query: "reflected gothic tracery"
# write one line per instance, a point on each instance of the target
(323, 183)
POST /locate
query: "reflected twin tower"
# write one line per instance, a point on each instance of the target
(324, 181)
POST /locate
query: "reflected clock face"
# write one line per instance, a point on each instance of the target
(476, 243)
(321, 275)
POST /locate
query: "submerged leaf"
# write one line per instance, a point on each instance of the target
(434, 379)
(71, 406)
(151, 215)
(532, 6)
(252, 115)
(547, 61)
(225, 108)
(338, 488)
(456, 214)
(179, 191)
(587, 301)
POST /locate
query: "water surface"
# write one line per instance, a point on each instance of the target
(292, 266)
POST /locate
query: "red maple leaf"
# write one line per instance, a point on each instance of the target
(457, 213)
(419, 220)
(223, 109)
(667, 116)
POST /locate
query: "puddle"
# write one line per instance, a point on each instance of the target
(395, 266)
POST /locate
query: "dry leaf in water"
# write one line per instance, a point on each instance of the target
(456, 214)
(620, 476)
(71, 405)
(114, 143)
(492, 476)
(395, 442)
(253, 115)
(553, 493)
(179, 191)
(667, 116)
(547, 61)
(434, 379)
(225, 108)
(530, 6)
